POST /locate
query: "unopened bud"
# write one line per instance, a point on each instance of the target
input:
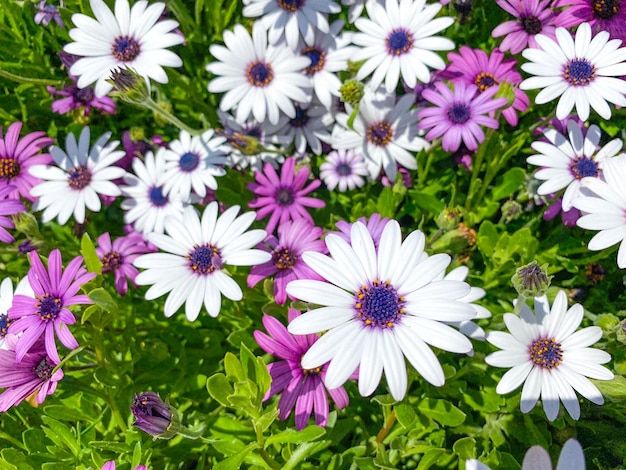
(449, 218)
(129, 86)
(531, 280)
(511, 210)
(155, 416)
(506, 90)
(351, 92)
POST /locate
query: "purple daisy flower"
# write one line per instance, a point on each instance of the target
(302, 388)
(31, 375)
(602, 15)
(118, 257)
(8, 206)
(343, 168)
(294, 238)
(48, 312)
(17, 156)
(532, 17)
(474, 66)
(458, 115)
(46, 13)
(374, 225)
(73, 98)
(283, 197)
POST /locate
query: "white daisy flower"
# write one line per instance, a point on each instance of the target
(259, 79)
(6, 302)
(329, 54)
(384, 132)
(148, 204)
(548, 356)
(309, 127)
(378, 307)
(196, 251)
(291, 19)
(397, 41)
(343, 169)
(583, 71)
(80, 176)
(566, 160)
(132, 38)
(605, 209)
(192, 163)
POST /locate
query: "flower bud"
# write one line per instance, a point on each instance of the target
(531, 280)
(449, 218)
(154, 416)
(507, 91)
(351, 92)
(129, 86)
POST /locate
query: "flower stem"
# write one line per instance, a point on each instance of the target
(154, 107)
(261, 443)
(33, 81)
(389, 422)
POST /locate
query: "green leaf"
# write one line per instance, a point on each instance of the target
(406, 415)
(293, 436)
(103, 299)
(465, 448)
(430, 458)
(60, 434)
(233, 367)
(220, 389)
(234, 462)
(111, 446)
(613, 390)
(442, 411)
(88, 250)
(512, 180)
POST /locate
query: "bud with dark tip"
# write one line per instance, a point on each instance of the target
(154, 416)
(531, 280)
(129, 86)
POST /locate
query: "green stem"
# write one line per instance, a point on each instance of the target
(262, 452)
(191, 433)
(389, 422)
(33, 81)
(71, 354)
(521, 301)
(421, 177)
(154, 107)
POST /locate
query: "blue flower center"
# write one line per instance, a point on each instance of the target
(378, 305)
(579, 72)
(79, 177)
(291, 5)
(157, 197)
(9, 168)
(485, 80)
(260, 74)
(546, 353)
(189, 161)
(204, 259)
(582, 167)
(43, 369)
(301, 118)
(5, 323)
(380, 133)
(531, 24)
(399, 42)
(284, 258)
(125, 48)
(459, 113)
(343, 169)
(605, 9)
(111, 261)
(284, 196)
(48, 307)
(318, 59)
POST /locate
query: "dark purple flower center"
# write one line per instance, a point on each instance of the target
(204, 259)
(378, 305)
(189, 161)
(343, 169)
(43, 369)
(5, 323)
(301, 118)
(315, 371)
(284, 196)
(546, 353)
(532, 25)
(84, 95)
(284, 258)
(79, 177)
(259, 74)
(291, 5)
(9, 168)
(157, 197)
(125, 48)
(380, 133)
(111, 261)
(579, 72)
(605, 9)
(48, 307)
(582, 167)
(399, 42)
(459, 113)
(318, 59)
(485, 80)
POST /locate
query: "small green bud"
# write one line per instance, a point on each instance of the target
(449, 218)
(506, 90)
(531, 280)
(137, 133)
(607, 321)
(129, 86)
(246, 144)
(511, 210)
(27, 224)
(351, 92)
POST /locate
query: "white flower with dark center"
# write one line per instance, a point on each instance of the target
(192, 163)
(291, 19)
(329, 54)
(310, 127)
(80, 175)
(384, 132)
(566, 160)
(196, 251)
(132, 38)
(343, 169)
(148, 204)
(583, 71)
(397, 41)
(379, 306)
(548, 356)
(605, 208)
(259, 79)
